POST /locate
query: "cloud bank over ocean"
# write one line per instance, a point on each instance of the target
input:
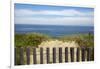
(53, 15)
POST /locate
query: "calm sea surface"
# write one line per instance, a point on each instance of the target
(52, 30)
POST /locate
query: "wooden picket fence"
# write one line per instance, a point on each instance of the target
(63, 55)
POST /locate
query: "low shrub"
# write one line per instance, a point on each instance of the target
(31, 39)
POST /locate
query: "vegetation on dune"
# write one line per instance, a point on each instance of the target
(32, 39)
(84, 40)
(35, 39)
(28, 40)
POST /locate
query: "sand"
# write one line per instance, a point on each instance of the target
(51, 44)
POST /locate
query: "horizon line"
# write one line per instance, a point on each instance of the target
(57, 25)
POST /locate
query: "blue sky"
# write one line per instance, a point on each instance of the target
(53, 15)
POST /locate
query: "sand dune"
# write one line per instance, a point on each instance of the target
(51, 44)
(58, 43)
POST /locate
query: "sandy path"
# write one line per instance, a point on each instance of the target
(51, 45)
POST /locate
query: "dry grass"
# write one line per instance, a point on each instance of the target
(58, 43)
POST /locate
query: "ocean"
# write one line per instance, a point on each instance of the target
(53, 30)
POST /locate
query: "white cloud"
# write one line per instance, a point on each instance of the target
(69, 12)
(24, 16)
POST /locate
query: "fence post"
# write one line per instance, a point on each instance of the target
(21, 56)
(54, 55)
(72, 54)
(41, 55)
(78, 55)
(48, 57)
(15, 59)
(92, 55)
(60, 55)
(89, 54)
(83, 54)
(28, 55)
(66, 54)
(34, 56)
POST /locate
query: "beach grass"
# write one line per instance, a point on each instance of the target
(42, 40)
(35, 39)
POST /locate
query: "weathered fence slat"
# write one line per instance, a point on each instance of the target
(21, 56)
(15, 56)
(54, 55)
(72, 54)
(86, 54)
(34, 56)
(41, 55)
(92, 54)
(48, 55)
(60, 55)
(83, 54)
(28, 55)
(66, 54)
(78, 55)
(89, 54)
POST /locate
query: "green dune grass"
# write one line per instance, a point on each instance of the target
(34, 39)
